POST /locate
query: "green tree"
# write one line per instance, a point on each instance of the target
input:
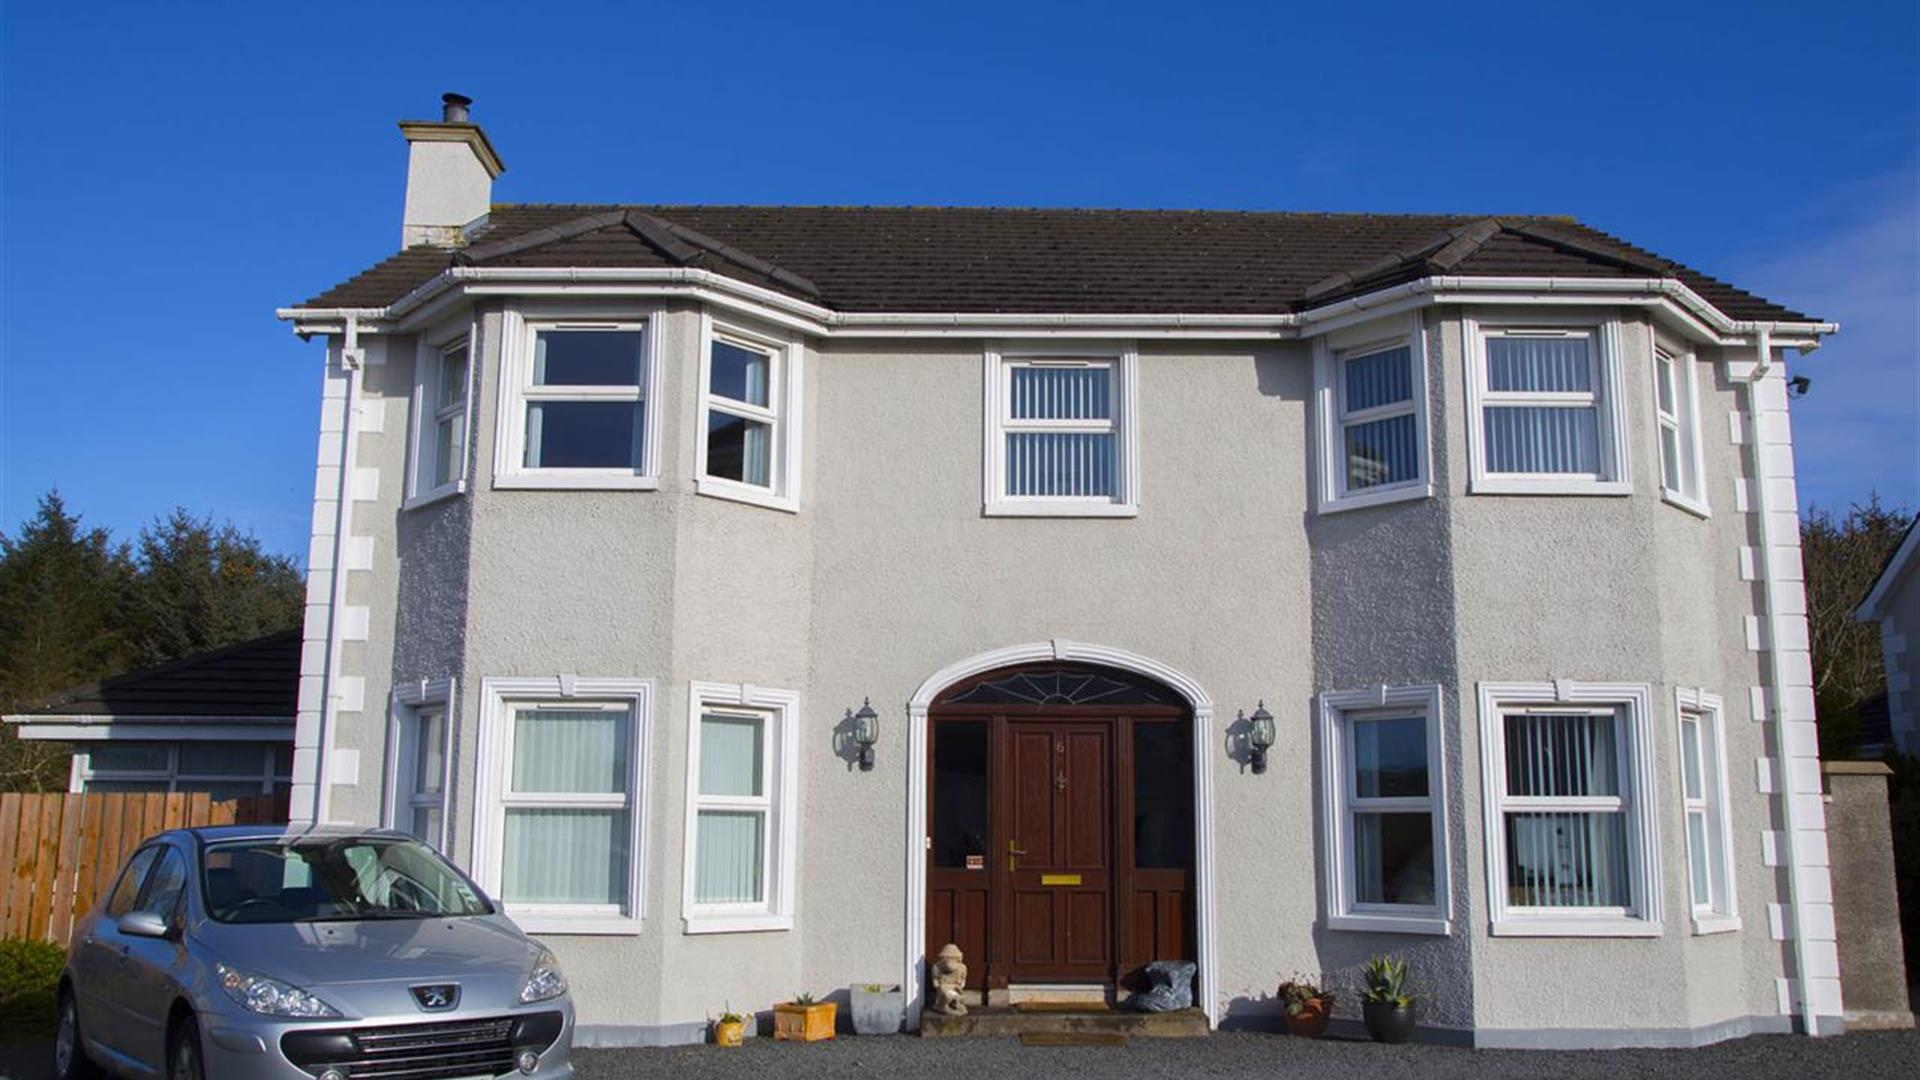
(202, 586)
(64, 594)
(1841, 557)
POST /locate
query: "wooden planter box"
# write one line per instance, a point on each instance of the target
(804, 1023)
(729, 1032)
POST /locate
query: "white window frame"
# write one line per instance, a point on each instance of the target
(499, 696)
(427, 414)
(1632, 704)
(782, 415)
(1608, 396)
(779, 710)
(403, 717)
(1683, 421)
(1338, 710)
(1330, 354)
(81, 775)
(1721, 914)
(519, 329)
(1000, 359)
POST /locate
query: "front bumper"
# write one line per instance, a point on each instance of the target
(464, 1043)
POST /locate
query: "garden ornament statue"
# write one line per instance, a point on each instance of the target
(949, 980)
(1172, 987)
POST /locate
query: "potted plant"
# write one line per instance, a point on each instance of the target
(803, 1019)
(1307, 1006)
(1388, 1004)
(730, 1029)
(878, 1008)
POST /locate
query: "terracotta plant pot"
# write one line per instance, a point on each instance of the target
(1312, 1018)
(803, 1023)
(1388, 1022)
(729, 1032)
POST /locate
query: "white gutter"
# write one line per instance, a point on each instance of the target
(351, 361)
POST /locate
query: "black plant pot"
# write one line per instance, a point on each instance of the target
(1388, 1022)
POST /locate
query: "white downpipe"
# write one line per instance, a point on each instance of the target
(1775, 669)
(350, 365)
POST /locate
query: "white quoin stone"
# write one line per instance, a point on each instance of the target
(450, 172)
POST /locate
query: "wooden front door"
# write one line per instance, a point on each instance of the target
(1058, 899)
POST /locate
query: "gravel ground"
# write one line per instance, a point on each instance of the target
(1862, 1056)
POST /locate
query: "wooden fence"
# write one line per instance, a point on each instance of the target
(59, 853)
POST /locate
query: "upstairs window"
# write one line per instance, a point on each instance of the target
(1059, 438)
(1677, 416)
(576, 410)
(1371, 395)
(440, 394)
(749, 403)
(1547, 416)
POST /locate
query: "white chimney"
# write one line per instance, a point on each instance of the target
(450, 172)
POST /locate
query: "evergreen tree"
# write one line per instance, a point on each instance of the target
(203, 586)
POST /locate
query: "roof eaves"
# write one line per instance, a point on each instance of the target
(1874, 602)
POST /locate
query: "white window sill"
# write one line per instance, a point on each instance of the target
(439, 494)
(581, 925)
(1391, 924)
(1531, 485)
(1696, 507)
(734, 491)
(736, 924)
(580, 481)
(1378, 497)
(1070, 508)
(1715, 924)
(1611, 926)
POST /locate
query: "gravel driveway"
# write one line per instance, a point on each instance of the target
(1863, 1056)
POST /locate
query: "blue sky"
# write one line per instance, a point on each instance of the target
(174, 172)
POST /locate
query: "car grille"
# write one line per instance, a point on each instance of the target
(408, 1051)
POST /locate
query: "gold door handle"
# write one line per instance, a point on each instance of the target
(1014, 851)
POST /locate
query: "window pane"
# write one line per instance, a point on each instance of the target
(127, 757)
(959, 793)
(1690, 756)
(1663, 384)
(739, 449)
(731, 749)
(283, 759)
(446, 450)
(570, 750)
(1162, 796)
(1382, 378)
(726, 867)
(583, 434)
(553, 856)
(1063, 393)
(1538, 364)
(740, 373)
(586, 358)
(163, 891)
(426, 824)
(1393, 858)
(1060, 463)
(1670, 457)
(1542, 439)
(1382, 452)
(1567, 859)
(1561, 755)
(128, 888)
(222, 759)
(1697, 858)
(122, 787)
(429, 761)
(1390, 758)
(453, 377)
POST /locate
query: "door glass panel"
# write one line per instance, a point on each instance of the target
(959, 793)
(1162, 796)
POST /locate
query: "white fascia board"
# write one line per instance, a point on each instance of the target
(166, 729)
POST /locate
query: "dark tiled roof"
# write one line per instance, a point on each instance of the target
(960, 259)
(254, 681)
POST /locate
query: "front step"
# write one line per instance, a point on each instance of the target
(998, 1022)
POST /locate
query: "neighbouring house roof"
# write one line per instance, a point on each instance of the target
(254, 682)
(1874, 604)
(1012, 261)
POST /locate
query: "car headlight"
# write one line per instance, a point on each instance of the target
(271, 997)
(545, 981)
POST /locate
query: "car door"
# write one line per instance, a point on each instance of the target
(151, 967)
(97, 957)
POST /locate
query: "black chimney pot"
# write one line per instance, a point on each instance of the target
(453, 108)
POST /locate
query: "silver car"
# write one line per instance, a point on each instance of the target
(267, 953)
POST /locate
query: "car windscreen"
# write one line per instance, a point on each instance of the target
(333, 879)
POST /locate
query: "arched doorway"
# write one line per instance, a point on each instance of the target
(1062, 824)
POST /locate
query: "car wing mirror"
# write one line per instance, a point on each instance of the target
(144, 924)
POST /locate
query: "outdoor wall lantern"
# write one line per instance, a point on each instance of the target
(866, 732)
(1260, 735)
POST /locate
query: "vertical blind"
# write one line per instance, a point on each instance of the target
(730, 755)
(562, 855)
(1533, 365)
(569, 750)
(730, 838)
(1572, 857)
(730, 844)
(1382, 450)
(1535, 437)
(1062, 393)
(1382, 378)
(1061, 463)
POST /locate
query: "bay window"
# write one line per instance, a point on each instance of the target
(418, 761)
(748, 448)
(1703, 797)
(740, 827)
(1386, 833)
(439, 435)
(1677, 419)
(574, 404)
(1571, 844)
(1060, 438)
(1546, 413)
(1370, 389)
